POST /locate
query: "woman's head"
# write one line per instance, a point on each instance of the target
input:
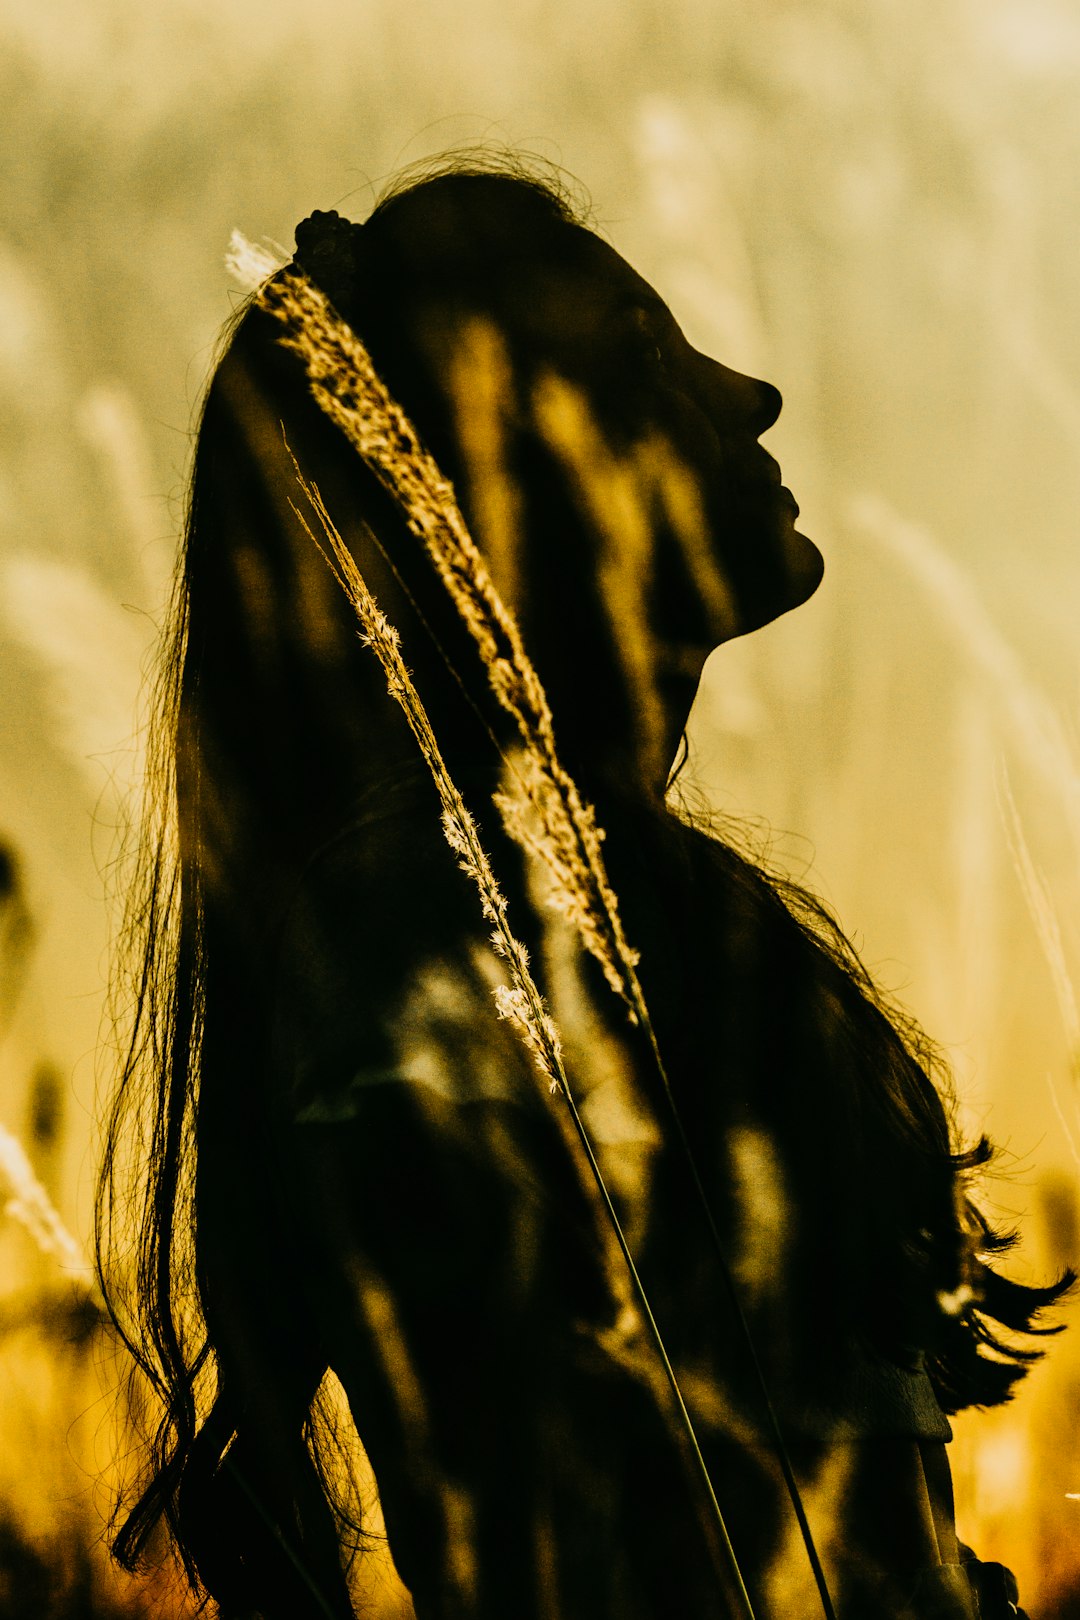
(463, 248)
(635, 534)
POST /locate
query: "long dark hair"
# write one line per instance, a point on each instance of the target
(270, 722)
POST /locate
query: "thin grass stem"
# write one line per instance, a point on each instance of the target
(521, 1002)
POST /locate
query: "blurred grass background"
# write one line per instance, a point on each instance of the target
(869, 203)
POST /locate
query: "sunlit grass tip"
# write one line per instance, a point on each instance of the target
(250, 264)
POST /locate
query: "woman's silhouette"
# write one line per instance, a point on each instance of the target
(350, 1166)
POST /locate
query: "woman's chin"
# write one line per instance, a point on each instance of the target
(804, 566)
(796, 575)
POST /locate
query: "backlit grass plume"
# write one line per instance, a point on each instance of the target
(348, 388)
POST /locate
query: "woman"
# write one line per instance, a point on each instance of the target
(350, 1163)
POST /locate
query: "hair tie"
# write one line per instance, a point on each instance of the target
(327, 251)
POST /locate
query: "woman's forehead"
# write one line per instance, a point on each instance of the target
(587, 289)
(538, 271)
(614, 278)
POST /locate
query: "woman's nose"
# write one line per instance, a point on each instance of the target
(746, 404)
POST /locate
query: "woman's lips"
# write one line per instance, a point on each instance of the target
(770, 492)
(768, 480)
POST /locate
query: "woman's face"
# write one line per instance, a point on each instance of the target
(723, 560)
(612, 330)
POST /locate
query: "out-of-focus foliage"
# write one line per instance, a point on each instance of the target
(870, 204)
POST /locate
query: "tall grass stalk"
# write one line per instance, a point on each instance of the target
(520, 1001)
(24, 1199)
(1044, 917)
(1034, 726)
(89, 650)
(1034, 723)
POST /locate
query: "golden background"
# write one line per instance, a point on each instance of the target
(870, 203)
